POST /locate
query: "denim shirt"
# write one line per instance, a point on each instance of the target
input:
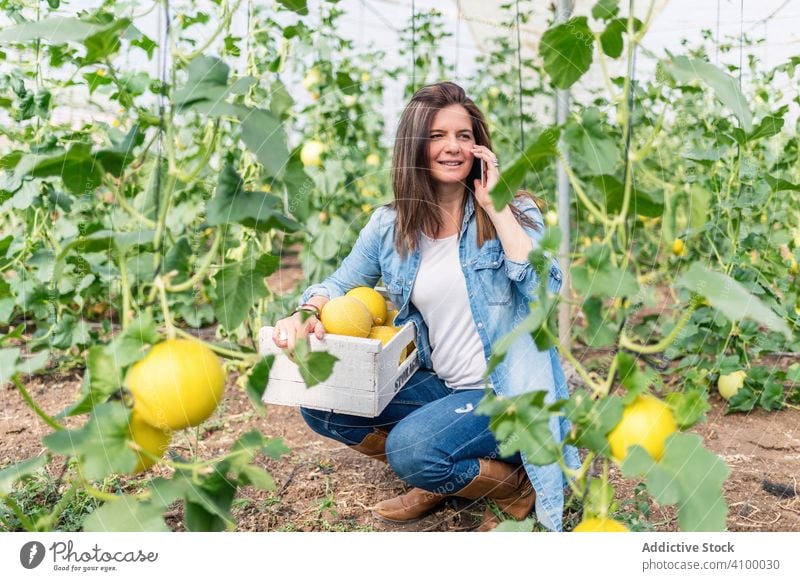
(500, 291)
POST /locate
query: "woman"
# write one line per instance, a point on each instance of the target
(458, 269)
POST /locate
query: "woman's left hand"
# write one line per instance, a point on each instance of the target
(492, 176)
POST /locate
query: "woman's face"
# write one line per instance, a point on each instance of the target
(450, 145)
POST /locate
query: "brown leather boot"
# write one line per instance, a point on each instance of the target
(408, 507)
(373, 445)
(507, 485)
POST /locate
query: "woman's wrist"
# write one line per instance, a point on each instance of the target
(308, 308)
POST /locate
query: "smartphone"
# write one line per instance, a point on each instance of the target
(483, 172)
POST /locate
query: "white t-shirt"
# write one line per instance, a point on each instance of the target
(440, 295)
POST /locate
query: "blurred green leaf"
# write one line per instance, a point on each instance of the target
(726, 88)
(730, 297)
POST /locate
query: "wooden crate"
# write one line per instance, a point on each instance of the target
(365, 378)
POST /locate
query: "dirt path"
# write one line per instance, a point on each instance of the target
(323, 485)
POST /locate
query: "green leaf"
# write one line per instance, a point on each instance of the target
(264, 135)
(744, 400)
(689, 406)
(771, 396)
(535, 158)
(55, 30)
(599, 333)
(642, 202)
(20, 471)
(257, 381)
(725, 87)
(298, 6)
(592, 146)
(631, 377)
(611, 38)
(179, 259)
(314, 366)
(104, 43)
(207, 506)
(768, 127)
(101, 445)
(115, 159)
(8, 363)
(691, 477)
(731, 298)
(207, 81)
(607, 281)
(521, 424)
(256, 476)
(605, 9)
(530, 324)
(239, 285)
(127, 514)
(515, 526)
(567, 51)
(593, 419)
(780, 185)
(77, 167)
(258, 210)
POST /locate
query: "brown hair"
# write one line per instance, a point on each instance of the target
(414, 192)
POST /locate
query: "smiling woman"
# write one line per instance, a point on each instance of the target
(458, 269)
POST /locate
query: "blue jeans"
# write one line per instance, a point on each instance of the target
(435, 438)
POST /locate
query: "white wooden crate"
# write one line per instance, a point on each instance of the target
(365, 378)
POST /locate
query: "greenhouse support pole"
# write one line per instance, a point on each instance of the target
(562, 182)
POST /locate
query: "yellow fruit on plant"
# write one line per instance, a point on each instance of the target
(178, 384)
(678, 247)
(312, 79)
(372, 299)
(794, 268)
(551, 218)
(150, 440)
(346, 316)
(646, 422)
(373, 160)
(311, 154)
(730, 383)
(350, 100)
(600, 525)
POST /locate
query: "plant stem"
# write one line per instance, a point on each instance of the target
(597, 389)
(34, 406)
(626, 343)
(26, 522)
(576, 185)
(158, 283)
(205, 263)
(49, 521)
(217, 349)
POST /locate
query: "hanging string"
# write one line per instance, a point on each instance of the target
(162, 74)
(413, 46)
(458, 36)
(628, 122)
(519, 79)
(741, 39)
(716, 52)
